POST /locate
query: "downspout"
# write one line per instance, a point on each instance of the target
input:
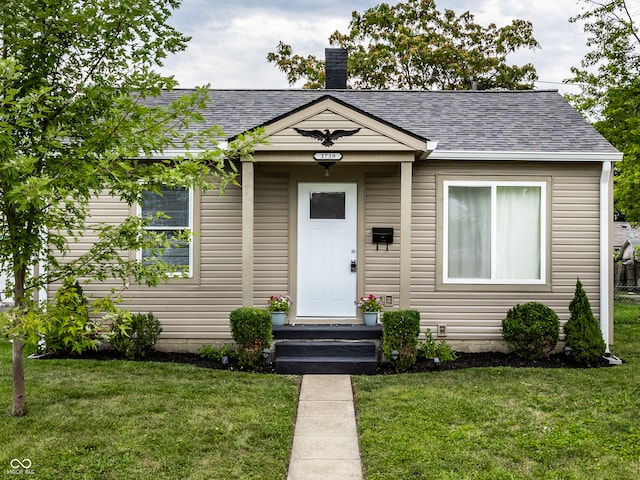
(605, 252)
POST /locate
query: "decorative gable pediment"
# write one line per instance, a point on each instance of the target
(330, 125)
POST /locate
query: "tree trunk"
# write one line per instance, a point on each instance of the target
(19, 408)
(19, 399)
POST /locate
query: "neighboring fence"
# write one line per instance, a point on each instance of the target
(626, 279)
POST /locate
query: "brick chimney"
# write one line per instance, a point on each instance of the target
(335, 68)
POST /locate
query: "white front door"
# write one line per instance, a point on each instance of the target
(327, 249)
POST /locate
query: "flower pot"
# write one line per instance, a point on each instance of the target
(277, 318)
(370, 318)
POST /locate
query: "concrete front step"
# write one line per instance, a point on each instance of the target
(326, 349)
(326, 365)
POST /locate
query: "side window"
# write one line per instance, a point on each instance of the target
(494, 232)
(176, 205)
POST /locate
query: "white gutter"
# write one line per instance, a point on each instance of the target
(170, 153)
(487, 156)
(605, 252)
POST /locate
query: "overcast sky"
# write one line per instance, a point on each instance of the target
(231, 38)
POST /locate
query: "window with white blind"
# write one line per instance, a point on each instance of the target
(176, 205)
(494, 232)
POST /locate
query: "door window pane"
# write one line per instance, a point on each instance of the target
(327, 206)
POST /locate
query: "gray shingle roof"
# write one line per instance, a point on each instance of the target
(523, 121)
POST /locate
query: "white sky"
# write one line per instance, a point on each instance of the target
(231, 38)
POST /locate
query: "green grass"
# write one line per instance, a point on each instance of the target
(627, 331)
(134, 420)
(502, 423)
(137, 420)
(627, 313)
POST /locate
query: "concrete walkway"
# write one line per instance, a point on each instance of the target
(325, 441)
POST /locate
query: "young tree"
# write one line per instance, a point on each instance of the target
(609, 77)
(76, 114)
(583, 334)
(413, 45)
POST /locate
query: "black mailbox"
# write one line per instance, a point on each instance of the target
(382, 235)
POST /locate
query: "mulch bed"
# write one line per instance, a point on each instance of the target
(491, 359)
(464, 360)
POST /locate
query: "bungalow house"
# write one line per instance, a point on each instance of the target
(459, 204)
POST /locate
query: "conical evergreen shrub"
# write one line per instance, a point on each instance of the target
(582, 330)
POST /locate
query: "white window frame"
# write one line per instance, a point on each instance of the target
(493, 280)
(189, 272)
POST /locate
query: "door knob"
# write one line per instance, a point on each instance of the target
(353, 265)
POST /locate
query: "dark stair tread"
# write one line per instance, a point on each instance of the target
(322, 359)
(312, 332)
(327, 365)
(325, 348)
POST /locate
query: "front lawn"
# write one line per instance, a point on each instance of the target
(140, 420)
(504, 423)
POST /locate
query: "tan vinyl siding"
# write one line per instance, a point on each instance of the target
(198, 307)
(366, 139)
(271, 248)
(382, 209)
(105, 209)
(476, 312)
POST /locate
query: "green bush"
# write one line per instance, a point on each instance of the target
(209, 352)
(400, 330)
(428, 349)
(445, 353)
(532, 330)
(251, 329)
(134, 335)
(68, 327)
(584, 336)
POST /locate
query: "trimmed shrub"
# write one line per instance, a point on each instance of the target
(532, 330)
(582, 330)
(135, 335)
(251, 329)
(68, 328)
(400, 330)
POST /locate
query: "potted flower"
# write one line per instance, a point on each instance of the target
(278, 305)
(370, 305)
